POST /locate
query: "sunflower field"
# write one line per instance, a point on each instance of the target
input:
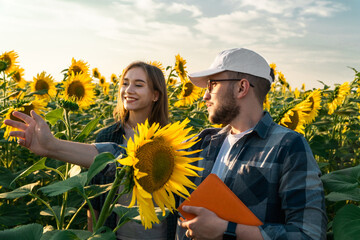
(46, 199)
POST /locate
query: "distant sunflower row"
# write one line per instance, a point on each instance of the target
(78, 86)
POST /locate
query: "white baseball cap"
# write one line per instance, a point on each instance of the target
(237, 60)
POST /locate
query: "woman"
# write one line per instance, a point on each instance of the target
(142, 95)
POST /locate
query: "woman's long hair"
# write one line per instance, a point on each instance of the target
(156, 79)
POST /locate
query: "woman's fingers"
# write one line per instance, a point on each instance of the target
(26, 118)
(16, 124)
(18, 134)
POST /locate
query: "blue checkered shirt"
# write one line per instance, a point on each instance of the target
(273, 171)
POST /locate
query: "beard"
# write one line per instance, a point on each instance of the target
(227, 111)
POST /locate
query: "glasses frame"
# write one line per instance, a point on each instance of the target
(209, 86)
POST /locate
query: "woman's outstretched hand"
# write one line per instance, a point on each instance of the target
(33, 133)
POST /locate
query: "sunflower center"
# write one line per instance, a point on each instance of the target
(156, 159)
(27, 110)
(17, 76)
(7, 59)
(311, 99)
(188, 89)
(41, 85)
(76, 69)
(294, 120)
(102, 81)
(76, 89)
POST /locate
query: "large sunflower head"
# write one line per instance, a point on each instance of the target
(315, 99)
(37, 105)
(18, 77)
(43, 82)
(189, 94)
(78, 88)
(161, 167)
(10, 59)
(339, 96)
(78, 67)
(180, 67)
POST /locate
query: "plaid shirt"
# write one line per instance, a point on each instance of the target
(273, 171)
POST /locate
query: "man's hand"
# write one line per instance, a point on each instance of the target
(206, 224)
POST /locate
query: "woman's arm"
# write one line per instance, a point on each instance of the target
(35, 135)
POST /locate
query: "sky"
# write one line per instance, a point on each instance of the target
(308, 40)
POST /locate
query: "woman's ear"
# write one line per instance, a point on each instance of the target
(156, 96)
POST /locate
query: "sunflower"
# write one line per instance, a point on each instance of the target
(161, 167)
(10, 59)
(294, 118)
(180, 67)
(106, 88)
(171, 81)
(158, 65)
(188, 95)
(37, 105)
(339, 96)
(296, 93)
(78, 67)
(114, 78)
(43, 82)
(96, 73)
(266, 104)
(79, 88)
(315, 99)
(282, 80)
(18, 77)
(273, 66)
(102, 81)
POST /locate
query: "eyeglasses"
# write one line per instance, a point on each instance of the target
(212, 82)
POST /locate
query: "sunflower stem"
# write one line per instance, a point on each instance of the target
(105, 211)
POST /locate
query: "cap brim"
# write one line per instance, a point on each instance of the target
(200, 78)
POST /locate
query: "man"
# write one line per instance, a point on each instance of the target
(269, 167)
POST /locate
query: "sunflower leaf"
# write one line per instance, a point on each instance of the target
(346, 223)
(55, 115)
(58, 188)
(125, 214)
(19, 192)
(35, 167)
(99, 164)
(87, 130)
(26, 232)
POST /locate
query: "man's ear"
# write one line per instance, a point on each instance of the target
(243, 87)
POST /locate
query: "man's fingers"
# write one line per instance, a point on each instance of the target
(192, 209)
(26, 118)
(15, 124)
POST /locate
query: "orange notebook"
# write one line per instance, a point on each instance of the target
(213, 194)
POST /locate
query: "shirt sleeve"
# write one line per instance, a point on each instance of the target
(113, 148)
(302, 197)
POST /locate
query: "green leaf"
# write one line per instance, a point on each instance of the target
(6, 177)
(19, 192)
(125, 214)
(35, 167)
(55, 115)
(11, 216)
(57, 209)
(64, 235)
(26, 232)
(56, 234)
(346, 225)
(61, 187)
(96, 190)
(99, 164)
(344, 181)
(87, 130)
(103, 233)
(337, 196)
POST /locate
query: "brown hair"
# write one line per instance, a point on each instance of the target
(261, 85)
(155, 76)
